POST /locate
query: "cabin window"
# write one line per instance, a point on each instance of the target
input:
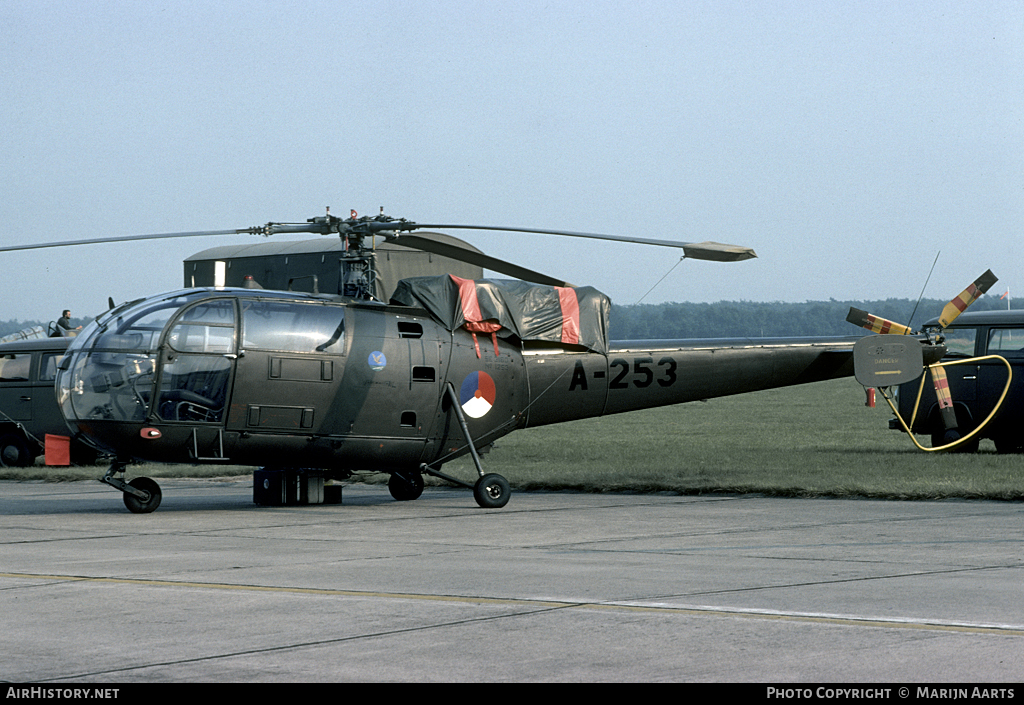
(1007, 342)
(423, 374)
(194, 388)
(208, 327)
(409, 329)
(293, 327)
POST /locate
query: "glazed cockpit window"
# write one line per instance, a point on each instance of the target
(293, 327)
(208, 327)
(138, 328)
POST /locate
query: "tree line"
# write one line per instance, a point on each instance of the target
(738, 319)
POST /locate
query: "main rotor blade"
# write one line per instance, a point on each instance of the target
(714, 251)
(717, 252)
(967, 297)
(123, 238)
(479, 259)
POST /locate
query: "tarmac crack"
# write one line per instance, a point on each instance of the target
(518, 608)
(868, 578)
(310, 644)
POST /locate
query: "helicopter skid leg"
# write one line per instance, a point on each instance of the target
(141, 496)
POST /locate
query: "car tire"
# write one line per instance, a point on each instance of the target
(15, 451)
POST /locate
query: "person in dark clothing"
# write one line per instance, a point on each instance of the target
(64, 323)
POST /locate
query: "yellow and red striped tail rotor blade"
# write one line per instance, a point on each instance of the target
(943, 396)
(967, 297)
(875, 324)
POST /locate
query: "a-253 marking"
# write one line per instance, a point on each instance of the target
(645, 373)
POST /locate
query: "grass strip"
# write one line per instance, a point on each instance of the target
(805, 441)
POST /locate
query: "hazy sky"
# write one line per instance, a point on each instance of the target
(847, 143)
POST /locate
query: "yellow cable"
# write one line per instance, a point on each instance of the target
(917, 403)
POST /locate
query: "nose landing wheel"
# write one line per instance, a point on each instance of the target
(142, 505)
(142, 495)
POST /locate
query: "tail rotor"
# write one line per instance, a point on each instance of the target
(878, 358)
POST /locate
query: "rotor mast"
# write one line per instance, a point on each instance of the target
(358, 261)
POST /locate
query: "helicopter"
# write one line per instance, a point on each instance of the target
(315, 387)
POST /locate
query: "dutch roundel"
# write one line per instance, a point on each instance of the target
(478, 394)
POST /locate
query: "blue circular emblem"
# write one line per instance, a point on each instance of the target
(377, 361)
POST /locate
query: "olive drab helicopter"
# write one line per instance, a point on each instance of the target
(317, 387)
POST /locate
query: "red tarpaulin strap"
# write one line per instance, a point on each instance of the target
(570, 315)
(470, 306)
(467, 298)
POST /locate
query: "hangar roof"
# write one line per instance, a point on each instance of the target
(293, 247)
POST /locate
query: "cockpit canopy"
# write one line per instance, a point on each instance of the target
(170, 357)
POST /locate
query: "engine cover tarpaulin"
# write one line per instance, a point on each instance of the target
(572, 316)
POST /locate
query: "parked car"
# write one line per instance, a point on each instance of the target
(975, 387)
(28, 403)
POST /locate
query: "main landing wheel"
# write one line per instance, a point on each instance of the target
(137, 505)
(406, 486)
(492, 491)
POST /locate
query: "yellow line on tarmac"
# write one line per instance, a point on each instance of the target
(284, 589)
(967, 628)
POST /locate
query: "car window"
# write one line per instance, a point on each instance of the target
(1008, 342)
(14, 368)
(48, 366)
(960, 341)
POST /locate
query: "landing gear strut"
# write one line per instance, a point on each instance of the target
(491, 491)
(141, 496)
